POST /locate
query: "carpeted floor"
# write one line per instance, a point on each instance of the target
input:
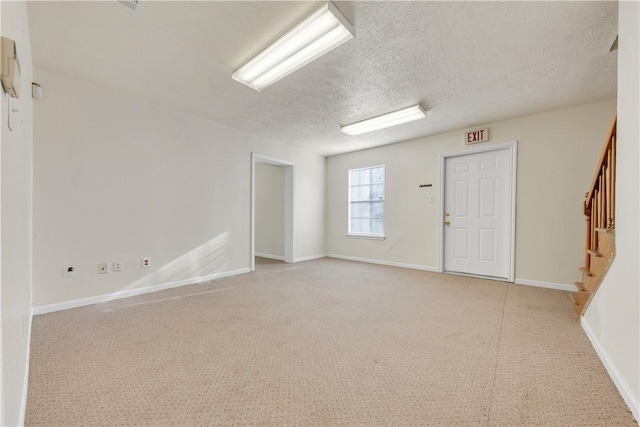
(324, 342)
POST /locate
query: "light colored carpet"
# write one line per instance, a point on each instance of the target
(324, 342)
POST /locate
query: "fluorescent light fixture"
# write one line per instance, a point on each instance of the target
(325, 29)
(405, 115)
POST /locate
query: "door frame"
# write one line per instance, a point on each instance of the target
(512, 146)
(289, 205)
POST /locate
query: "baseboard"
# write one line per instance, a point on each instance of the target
(309, 258)
(388, 263)
(133, 292)
(548, 285)
(276, 257)
(25, 384)
(621, 385)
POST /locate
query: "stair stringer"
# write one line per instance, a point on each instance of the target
(601, 264)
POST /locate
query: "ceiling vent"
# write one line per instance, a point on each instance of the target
(131, 4)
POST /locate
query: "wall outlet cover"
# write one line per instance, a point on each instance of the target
(103, 268)
(117, 266)
(146, 262)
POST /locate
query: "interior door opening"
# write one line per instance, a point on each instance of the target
(272, 210)
(269, 214)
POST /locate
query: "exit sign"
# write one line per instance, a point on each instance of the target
(475, 136)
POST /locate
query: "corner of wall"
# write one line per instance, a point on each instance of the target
(16, 240)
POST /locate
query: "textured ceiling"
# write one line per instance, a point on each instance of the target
(467, 63)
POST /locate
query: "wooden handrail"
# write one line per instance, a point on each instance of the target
(609, 146)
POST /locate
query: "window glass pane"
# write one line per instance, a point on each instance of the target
(377, 191)
(366, 200)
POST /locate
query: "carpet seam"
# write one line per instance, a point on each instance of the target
(495, 369)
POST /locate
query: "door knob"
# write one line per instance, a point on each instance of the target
(448, 222)
(447, 213)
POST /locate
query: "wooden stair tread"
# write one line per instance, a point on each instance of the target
(577, 308)
(579, 286)
(586, 272)
(580, 297)
(594, 253)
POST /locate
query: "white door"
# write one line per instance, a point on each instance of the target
(477, 213)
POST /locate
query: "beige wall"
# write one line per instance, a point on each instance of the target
(16, 216)
(269, 210)
(613, 317)
(557, 153)
(117, 178)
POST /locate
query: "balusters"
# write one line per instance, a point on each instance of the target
(600, 203)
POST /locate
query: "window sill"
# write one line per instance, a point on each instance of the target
(367, 236)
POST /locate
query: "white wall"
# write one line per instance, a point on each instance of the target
(613, 317)
(118, 178)
(269, 210)
(16, 216)
(557, 154)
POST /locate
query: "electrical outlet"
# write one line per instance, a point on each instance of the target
(69, 272)
(390, 246)
(146, 262)
(117, 266)
(103, 268)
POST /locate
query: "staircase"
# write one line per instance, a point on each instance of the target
(599, 209)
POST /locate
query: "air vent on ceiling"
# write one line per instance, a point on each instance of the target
(131, 4)
(614, 45)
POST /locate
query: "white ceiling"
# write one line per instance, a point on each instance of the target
(467, 63)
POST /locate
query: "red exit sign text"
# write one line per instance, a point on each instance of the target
(475, 136)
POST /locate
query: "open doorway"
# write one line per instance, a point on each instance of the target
(272, 210)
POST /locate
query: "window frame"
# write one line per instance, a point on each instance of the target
(371, 236)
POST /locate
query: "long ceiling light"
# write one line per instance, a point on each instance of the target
(405, 115)
(325, 29)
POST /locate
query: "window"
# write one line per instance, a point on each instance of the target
(366, 201)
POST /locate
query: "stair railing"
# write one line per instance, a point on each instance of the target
(600, 202)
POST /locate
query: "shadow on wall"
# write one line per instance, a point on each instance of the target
(205, 260)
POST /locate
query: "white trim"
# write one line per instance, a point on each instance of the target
(614, 373)
(133, 292)
(548, 285)
(289, 206)
(25, 384)
(474, 149)
(309, 258)
(274, 161)
(381, 262)
(367, 236)
(270, 256)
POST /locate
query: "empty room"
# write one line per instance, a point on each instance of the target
(264, 213)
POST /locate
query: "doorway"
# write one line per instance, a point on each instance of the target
(286, 173)
(478, 216)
